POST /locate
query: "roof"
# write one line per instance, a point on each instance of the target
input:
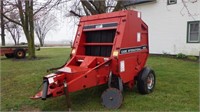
(134, 2)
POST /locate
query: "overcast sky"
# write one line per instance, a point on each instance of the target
(65, 30)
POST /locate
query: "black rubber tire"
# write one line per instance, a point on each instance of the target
(142, 81)
(20, 53)
(11, 55)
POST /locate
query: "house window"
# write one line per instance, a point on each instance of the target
(193, 32)
(171, 2)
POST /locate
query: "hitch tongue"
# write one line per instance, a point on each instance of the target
(45, 89)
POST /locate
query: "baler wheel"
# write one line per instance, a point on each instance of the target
(146, 81)
(112, 98)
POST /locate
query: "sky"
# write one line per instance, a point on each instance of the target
(64, 31)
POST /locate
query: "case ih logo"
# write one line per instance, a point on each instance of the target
(130, 50)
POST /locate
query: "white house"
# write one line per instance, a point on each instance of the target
(174, 25)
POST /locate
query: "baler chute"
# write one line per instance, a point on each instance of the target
(108, 49)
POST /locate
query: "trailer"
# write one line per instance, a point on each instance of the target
(16, 51)
(110, 49)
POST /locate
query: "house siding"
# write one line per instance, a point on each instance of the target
(168, 26)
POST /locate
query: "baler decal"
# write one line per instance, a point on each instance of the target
(131, 50)
(96, 26)
(122, 66)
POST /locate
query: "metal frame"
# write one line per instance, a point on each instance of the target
(188, 31)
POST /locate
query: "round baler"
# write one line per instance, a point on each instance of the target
(109, 48)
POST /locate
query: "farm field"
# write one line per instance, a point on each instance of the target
(177, 86)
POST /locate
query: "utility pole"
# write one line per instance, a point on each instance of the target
(2, 26)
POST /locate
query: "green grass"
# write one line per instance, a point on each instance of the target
(177, 86)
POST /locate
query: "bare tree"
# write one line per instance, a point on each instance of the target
(185, 6)
(44, 25)
(15, 31)
(28, 8)
(92, 7)
(26, 13)
(2, 26)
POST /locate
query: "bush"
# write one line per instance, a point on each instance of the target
(181, 56)
(193, 58)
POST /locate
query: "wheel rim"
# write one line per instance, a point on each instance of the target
(20, 54)
(150, 81)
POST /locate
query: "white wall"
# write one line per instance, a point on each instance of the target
(168, 26)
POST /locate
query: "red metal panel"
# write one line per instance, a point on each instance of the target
(88, 62)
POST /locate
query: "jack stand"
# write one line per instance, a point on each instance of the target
(67, 96)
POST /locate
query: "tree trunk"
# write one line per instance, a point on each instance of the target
(28, 28)
(31, 48)
(31, 43)
(41, 42)
(17, 42)
(2, 26)
(14, 39)
(18, 35)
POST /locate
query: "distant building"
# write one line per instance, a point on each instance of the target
(174, 25)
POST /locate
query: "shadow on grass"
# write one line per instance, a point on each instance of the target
(92, 97)
(85, 96)
(80, 100)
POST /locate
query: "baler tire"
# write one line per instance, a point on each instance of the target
(147, 75)
(11, 55)
(20, 53)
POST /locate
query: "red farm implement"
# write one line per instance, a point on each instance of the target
(16, 51)
(109, 48)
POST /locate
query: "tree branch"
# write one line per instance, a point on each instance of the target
(74, 13)
(20, 11)
(89, 7)
(118, 6)
(86, 11)
(44, 6)
(102, 6)
(11, 20)
(95, 4)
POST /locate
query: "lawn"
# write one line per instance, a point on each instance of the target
(177, 86)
